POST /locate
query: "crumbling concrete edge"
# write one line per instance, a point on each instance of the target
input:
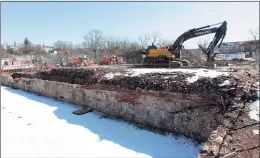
(174, 114)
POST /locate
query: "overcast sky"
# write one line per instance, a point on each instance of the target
(47, 22)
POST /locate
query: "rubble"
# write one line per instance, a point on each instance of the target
(236, 136)
(234, 62)
(238, 85)
(193, 59)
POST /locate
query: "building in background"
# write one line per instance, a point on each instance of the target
(231, 56)
(229, 47)
(47, 48)
(239, 50)
(234, 50)
(250, 48)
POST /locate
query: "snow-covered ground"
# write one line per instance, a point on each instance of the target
(34, 126)
(198, 73)
(254, 111)
(254, 108)
(9, 67)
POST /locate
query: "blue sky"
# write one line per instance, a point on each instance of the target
(47, 22)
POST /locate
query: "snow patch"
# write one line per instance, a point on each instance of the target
(47, 128)
(225, 83)
(198, 73)
(111, 75)
(192, 79)
(255, 132)
(254, 110)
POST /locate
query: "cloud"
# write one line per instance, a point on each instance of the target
(211, 13)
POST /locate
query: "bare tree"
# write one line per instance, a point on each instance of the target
(154, 38)
(163, 42)
(27, 47)
(255, 46)
(133, 46)
(39, 50)
(76, 46)
(255, 34)
(63, 46)
(124, 45)
(114, 45)
(203, 49)
(10, 50)
(93, 41)
(144, 41)
(84, 44)
(203, 44)
(69, 46)
(58, 45)
(107, 45)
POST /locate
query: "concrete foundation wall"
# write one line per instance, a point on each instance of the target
(189, 115)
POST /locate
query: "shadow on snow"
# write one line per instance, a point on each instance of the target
(125, 135)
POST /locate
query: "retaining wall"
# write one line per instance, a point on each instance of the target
(190, 115)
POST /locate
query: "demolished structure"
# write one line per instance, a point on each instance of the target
(205, 105)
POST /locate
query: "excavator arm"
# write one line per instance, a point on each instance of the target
(220, 33)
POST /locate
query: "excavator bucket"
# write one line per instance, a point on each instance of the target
(210, 64)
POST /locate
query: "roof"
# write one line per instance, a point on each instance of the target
(250, 43)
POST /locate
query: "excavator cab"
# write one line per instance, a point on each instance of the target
(151, 47)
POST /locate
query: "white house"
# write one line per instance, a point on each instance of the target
(231, 56)
(14, 47)
(47, 48)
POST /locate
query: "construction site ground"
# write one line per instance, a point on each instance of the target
(233, 90)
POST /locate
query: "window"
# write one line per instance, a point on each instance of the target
(242, 48)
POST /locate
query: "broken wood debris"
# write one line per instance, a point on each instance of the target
(83, 111)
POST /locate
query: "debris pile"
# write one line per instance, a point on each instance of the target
(234, 62)
(194, 59)
(230, 86)
(135, 57)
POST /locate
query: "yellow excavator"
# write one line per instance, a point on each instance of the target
(171, 56)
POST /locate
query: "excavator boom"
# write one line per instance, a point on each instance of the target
(220, 33)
